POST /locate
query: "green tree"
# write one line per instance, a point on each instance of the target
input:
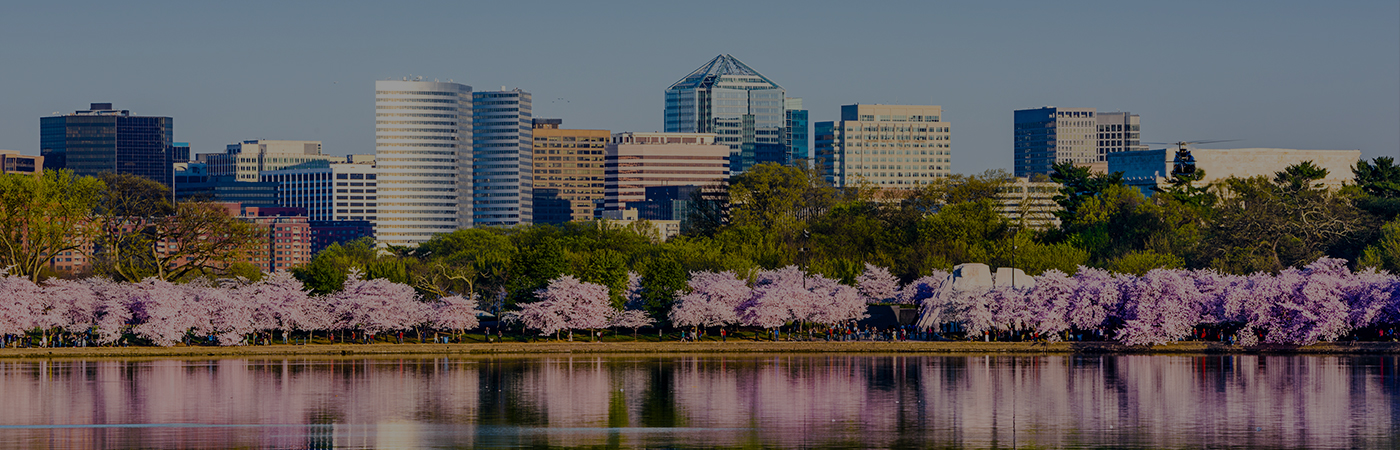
(662, 275)
(43, 216)
(1078, 185)
(1384, 253)
(778, 199)
(1268, 225)
(1140, 262)
(1379, 181)
(327, 270)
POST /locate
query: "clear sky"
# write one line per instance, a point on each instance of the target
(1313, 75)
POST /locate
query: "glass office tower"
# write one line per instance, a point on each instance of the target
(423, 149)
(502, 158)
(743, 108)
(103, 139)
(796, 136)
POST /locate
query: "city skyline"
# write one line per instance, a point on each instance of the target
(1279, 74)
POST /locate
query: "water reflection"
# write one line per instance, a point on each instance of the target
(725, 401)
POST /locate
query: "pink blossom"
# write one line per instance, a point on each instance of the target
(876, 285)
(713, 300)
(456, 313)
(569, 304)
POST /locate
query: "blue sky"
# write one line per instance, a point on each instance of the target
(1315, 75)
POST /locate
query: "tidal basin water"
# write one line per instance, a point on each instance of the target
(1063, 401)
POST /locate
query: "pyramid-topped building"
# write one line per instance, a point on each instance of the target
(741, 106)
(715, 71)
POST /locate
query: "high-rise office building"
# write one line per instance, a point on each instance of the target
(502, 164)
(246, 160)
(341, 191)
(423, 150)
(889, 146)
(636, 161)
(743, 108)
(568, 172)
(103, 139)
(796, 131)
(1048, 135)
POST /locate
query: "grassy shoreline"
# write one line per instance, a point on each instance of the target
(547, 348)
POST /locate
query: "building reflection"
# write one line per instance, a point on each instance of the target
(712, 400)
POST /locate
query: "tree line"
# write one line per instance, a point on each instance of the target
(772, 217)
(125, 226)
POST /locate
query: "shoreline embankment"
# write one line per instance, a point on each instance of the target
(731, 347)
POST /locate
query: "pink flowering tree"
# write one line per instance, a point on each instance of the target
(1160, 308)
(712, 301)
(631, 318)
(47, 314)
(569, 304)
(456, 313)
(835, 303)
(877, 285)
(1049, 302)
(1097, 298)
(376, 306)
(81, 313)
(1305, 306)
(162, 311)
(226, 312)
(277, 302)
(1374, 299)
(778, 296)
(17, 295)
(114, 315)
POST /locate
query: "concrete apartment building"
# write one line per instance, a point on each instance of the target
(1083, 136)
(423, 151)
(502, 163)
(569, 174)
(636, 161)
(889, 146)
(1147, 169)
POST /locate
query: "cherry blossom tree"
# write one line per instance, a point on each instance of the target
(1049, 303)
(1097, 298)
(569, 304)
(1306, 306)
(1160, 309)
(835, 303)
(456, 313)
(114, 315)
(1374, 299)
(778, 296)
(713, 300)
(631, 318)
(83, 304)
(161, 311)
(376, 306)
(876, 284)
(223, 311)
(17, 295)
(278, 300)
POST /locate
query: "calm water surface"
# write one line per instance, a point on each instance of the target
(706, 401)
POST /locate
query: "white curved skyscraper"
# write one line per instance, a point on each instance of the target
(423, 149)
